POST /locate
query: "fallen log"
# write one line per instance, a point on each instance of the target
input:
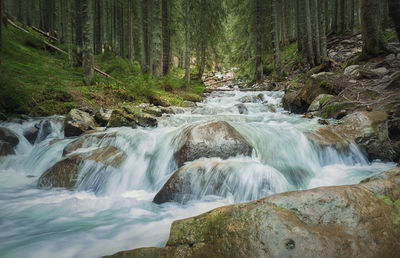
(60, 50)
(46, 34)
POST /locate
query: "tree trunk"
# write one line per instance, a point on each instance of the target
(87, 40)
(316, 36)
(145, 26)
(300, 26)
(187, 43)
(155, 60)
(284, 23)
(166, 38)
(309, 44)
(1, 26)
(78, 31)
(131, 48)
(275, 40)
(370, 28)
(259, 64)
(394, 7)
(322, 29)
(352, 9)
(138, 4)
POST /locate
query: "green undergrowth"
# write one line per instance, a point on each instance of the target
(38, 81)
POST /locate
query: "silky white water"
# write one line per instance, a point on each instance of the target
(112, 210)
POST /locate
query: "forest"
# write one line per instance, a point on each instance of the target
(199, 128)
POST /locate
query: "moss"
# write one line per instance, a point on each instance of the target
(324, 100)
(323, 83)
(384, 198)
(329, 110)
(372, 94)
(38, 82)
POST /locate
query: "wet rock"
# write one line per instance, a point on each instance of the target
(6, 149)
(192, 180)
(299, 101)
(102, 118)
(150, 109)
(87, 141)
(3, 117)
(120, 118)
(65, 173)
(351, 70)
(186, 103)
(77, 122)
(366, 129)
(319, 101)
(172, 110)
(139, 116)
(38, 132)
(242, 109)
(212, 139)
(6, 135)
(8, 141)
(394, 129)
(343, 221)
(32, 133)
(252, 99)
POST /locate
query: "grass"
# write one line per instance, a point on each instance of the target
(39, 82)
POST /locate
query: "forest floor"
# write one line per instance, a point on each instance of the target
(38, 81)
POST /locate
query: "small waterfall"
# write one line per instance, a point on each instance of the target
(111, 207)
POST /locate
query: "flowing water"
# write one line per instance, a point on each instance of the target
(112, 209)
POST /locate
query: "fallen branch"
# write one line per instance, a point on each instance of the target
(61, 51)
(46, 34)
(16, 26)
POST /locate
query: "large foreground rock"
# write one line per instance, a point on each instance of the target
(77, 122)
(222, 178)
(65, 173)
(345, 221)
(8, 141)
(212, 139)
(367, 129)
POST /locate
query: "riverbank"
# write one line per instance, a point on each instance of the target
(38, 81)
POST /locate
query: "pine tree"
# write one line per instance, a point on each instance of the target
(187, 43)
(394, 7)
(259, 63)
(87, 42)
(370, 28)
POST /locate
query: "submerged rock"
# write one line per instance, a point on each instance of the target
(38, 132)
(252, 99)
(77, 122)
(242, 109)
(212, 139)
(366, 129)
(65, 173)
(343, 221)
(86, 141)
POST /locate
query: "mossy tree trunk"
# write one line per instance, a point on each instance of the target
(370, 28)
(87, 42)
(166, 38)
(156, 47)
(394, 7)
(259, 63)
(187, 43)
(275, 39)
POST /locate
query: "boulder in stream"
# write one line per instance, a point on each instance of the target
(216, 177)
(367, 129)
(343, 221)
(8, 141)
(65, 173)
(212, 139)
(77, 122)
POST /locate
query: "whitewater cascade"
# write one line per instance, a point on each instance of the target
(111, 209)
